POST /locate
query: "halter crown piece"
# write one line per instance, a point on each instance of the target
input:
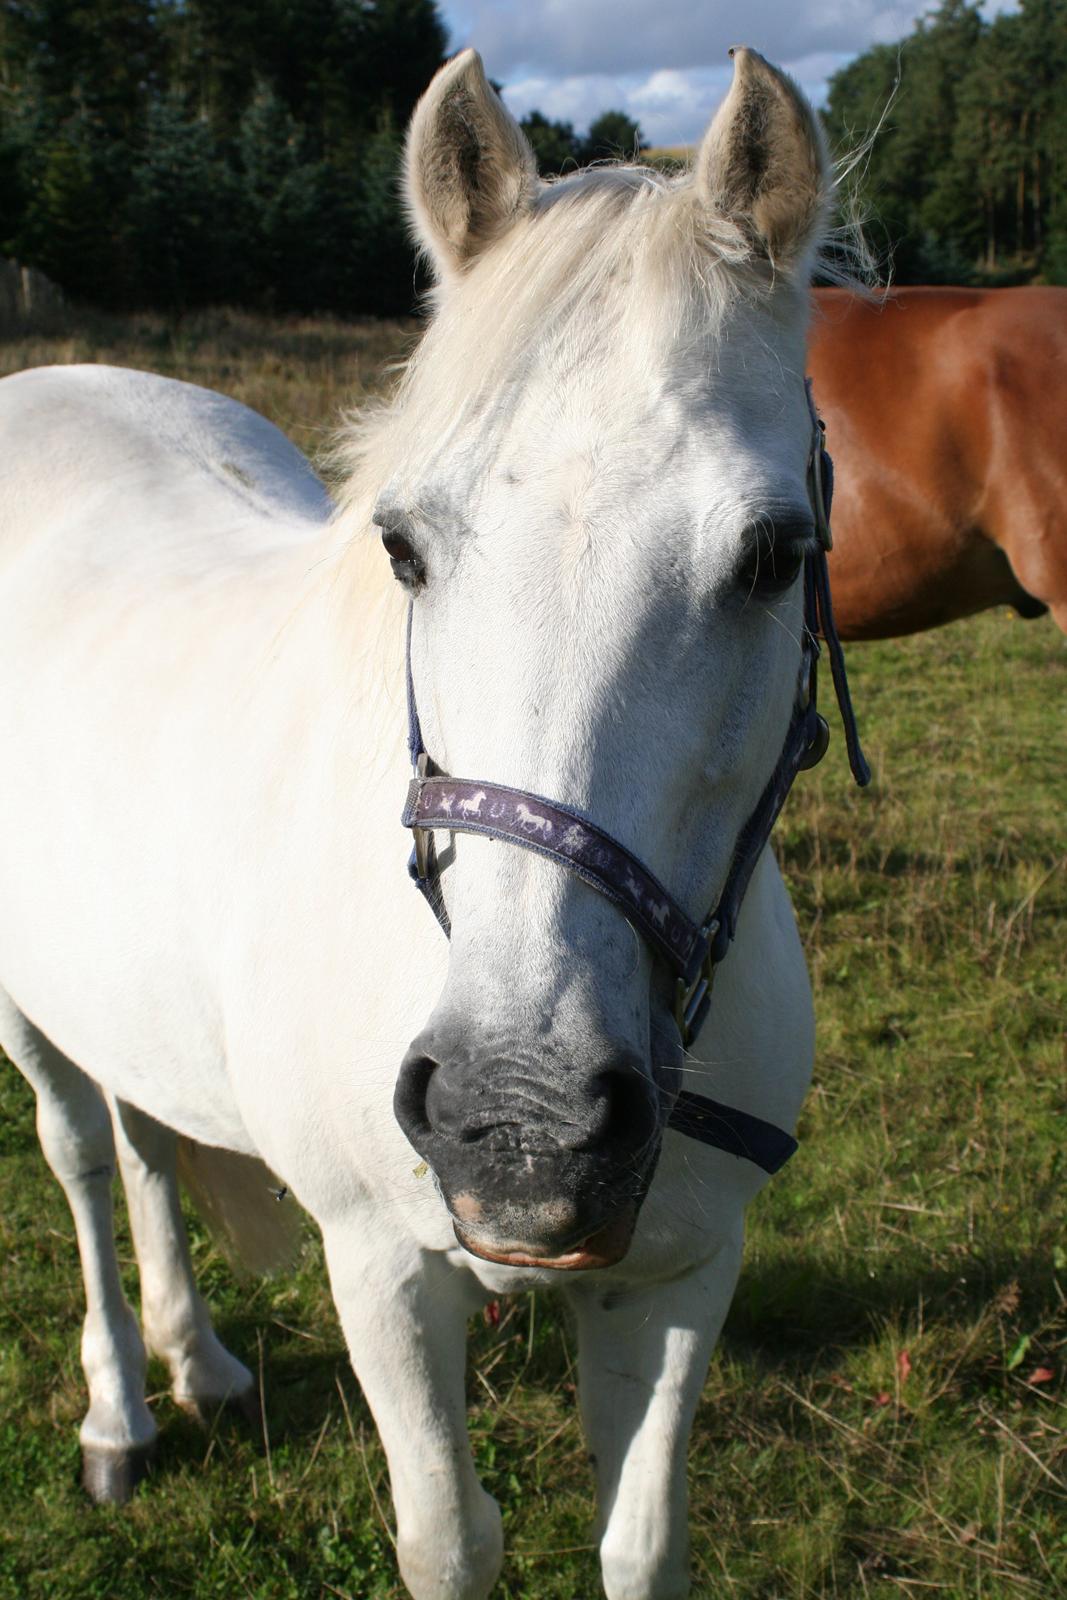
(692, 950)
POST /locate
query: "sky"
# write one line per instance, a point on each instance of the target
(665, 61)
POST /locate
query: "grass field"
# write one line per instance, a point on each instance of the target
(885, 1415)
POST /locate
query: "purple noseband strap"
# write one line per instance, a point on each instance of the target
(568, 836)
(691, 950)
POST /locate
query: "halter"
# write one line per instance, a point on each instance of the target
(691, 950)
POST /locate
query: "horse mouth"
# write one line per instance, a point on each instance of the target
(602, 1248)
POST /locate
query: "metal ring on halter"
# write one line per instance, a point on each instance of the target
(692, 1001)
(818, 746)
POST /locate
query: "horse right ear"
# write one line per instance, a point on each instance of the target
(763, 162)
(470, 170)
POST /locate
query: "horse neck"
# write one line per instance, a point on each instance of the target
(353, 631)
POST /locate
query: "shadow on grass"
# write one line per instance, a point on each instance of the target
(793, 1321)
(812, 1312)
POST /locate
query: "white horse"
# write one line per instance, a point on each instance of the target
(206, 926)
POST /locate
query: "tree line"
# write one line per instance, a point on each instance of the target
(173, 153)
(178, 152)
(966, 180)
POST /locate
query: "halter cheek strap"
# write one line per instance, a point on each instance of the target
(691, 950)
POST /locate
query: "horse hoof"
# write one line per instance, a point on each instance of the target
(109, 1477)
(249, 1406)
(206, 1413)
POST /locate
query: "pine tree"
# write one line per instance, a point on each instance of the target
(68, 224)
(382, 259)
(968, 174)
(182, 218)
(555, 144)
(612, 137)
(281, 195)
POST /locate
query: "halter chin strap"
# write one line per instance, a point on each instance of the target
(692, 950)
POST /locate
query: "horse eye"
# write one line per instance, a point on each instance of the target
(771, 564)
(405, 561)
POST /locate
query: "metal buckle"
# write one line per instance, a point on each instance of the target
(422, 852)
(421, 836)
(693, 1000)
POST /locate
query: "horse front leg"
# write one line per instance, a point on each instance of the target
(404, 1312)
(177, 1323)
(643, 1356)
(118, 1434)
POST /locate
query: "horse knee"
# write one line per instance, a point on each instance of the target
(461, 1562)
(76, 1138)
(632, 1574)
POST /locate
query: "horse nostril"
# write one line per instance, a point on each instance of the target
(410, 1095)
(630, 1116)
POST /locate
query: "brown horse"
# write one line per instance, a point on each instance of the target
(946, 413)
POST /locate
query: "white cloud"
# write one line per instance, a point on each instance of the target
(665, 62)
(575, 99)
(671, 105)
(578, 37)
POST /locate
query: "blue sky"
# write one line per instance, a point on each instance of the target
(664, 61)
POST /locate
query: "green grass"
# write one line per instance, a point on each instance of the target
(877, 1421)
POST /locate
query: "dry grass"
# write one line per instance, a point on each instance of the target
(298, 371)
(885, 1415)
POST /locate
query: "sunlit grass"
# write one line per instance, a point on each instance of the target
(885, 1414)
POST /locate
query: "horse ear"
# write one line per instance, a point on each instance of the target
(763, 162)
(470, 169)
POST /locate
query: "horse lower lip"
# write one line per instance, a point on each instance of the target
(602, 1248)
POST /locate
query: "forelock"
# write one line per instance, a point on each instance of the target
(608, 248)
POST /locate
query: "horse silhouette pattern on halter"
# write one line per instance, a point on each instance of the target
(563, 834)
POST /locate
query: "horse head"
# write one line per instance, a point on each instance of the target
(598, 505)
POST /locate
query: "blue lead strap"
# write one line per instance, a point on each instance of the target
(739, 1133)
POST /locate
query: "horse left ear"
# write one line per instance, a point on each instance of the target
(470, 169)
(763, 162)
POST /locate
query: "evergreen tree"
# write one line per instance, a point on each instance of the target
(384, 269)
(172, 151)
(281, 192)
(182, 218)
(555, 144)
(68, 224)
(1042, 51)
(966, 178)
(98, 59)
(612, 137)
